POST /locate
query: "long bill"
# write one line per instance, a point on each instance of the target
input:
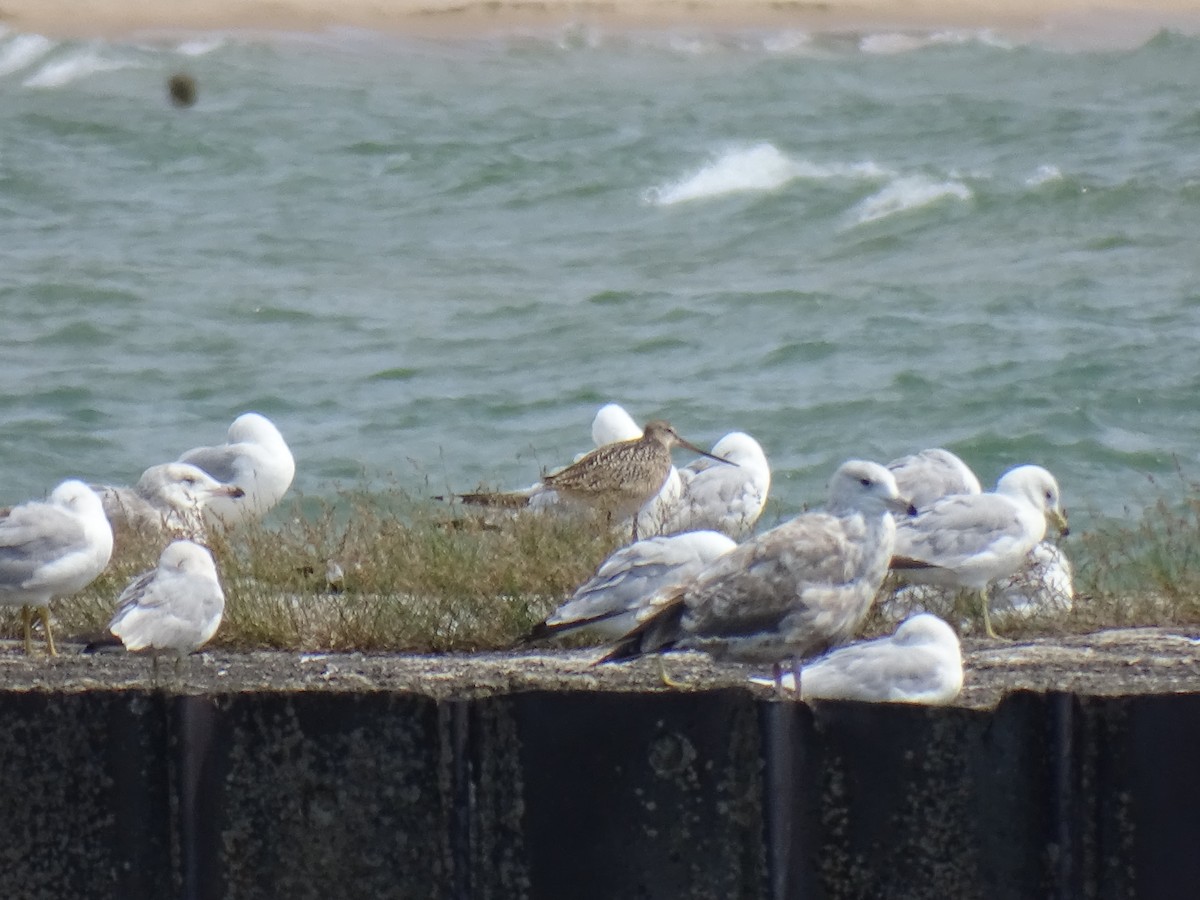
(695, 449)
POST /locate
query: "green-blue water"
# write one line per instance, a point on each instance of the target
(430, 262)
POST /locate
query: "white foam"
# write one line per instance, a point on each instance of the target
(887, 43)
(200, 46)
(906, 193)
(760, 168)
(78, 65)
(1044, 175)
(22, 51)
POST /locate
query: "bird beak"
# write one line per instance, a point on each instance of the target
(695, 449)
(902, 506)
(229, 490)
(1058, 518)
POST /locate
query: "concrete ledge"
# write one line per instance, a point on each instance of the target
(716, 794)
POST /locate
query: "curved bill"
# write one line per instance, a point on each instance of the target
(695, 449)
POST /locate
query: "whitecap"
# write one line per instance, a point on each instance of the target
(904, 194)
(760, 168)
(887, 43)
(78, 65)
(1044, 175)
(22, 51)
(200, 46)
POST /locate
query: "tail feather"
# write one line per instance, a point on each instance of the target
(899, 563)
(659, 631)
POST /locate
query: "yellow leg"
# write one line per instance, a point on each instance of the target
(44, 613)
(987, 619)
(667, 679)
(27, 622)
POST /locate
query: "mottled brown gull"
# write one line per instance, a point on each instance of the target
(790, 592)
(168, 497)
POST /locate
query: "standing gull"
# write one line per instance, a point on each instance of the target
(970, 540)
(174, 608)
(608, 602)
(256, 458)
(790, 592)
(52, 549)
(932, 474)
(920, 663)
(728, 499)
(168, 497)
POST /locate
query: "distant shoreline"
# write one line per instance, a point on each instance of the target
(1057, 21)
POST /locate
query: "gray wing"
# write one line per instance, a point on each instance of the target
(928, 476)
(877, 670)
(633, 574)
(957, 529)
(33, 537)
(222, 462)
(775, 576)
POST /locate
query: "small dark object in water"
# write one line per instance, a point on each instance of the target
(182, 89)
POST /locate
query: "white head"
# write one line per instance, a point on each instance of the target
(253, 428)
(77, 497)
(612, 424)
(866, 487)
(926, 628)
(1037, 487)
(738, 447)
(188, 556)
(182, 487)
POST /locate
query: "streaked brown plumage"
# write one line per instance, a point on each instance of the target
(619, 478)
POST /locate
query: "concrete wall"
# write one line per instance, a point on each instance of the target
(575, 796)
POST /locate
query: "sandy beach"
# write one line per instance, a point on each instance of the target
(1066, 19)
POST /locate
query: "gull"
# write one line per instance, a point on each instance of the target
(970, 540)
(790, 592)
(168, 497)
(920, 663)
(50, 549)
(256, 458)
(932, 474)
(723, 498)
(608, 602)
(174, 608)
(1044, 584)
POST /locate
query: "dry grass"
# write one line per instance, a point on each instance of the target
(421, 576)
(418, 576)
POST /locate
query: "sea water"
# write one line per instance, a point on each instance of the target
(431, 261)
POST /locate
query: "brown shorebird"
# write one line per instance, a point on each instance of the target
(617, 478)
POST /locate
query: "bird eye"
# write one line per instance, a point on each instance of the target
(865, 482)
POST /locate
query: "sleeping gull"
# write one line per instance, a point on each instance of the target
(723, 498)
(920, 663)
(970, 540)
(256, 458)
(790, 592)
(52, 549)
(168, 497)
(932, 474)
(174, 608)
(607, 603)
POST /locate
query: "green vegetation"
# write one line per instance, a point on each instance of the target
(423, 576)
(417, 576)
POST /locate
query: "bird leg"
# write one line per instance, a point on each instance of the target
(987, 619)
(44, 614)
(662, 673)
(27, 624)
